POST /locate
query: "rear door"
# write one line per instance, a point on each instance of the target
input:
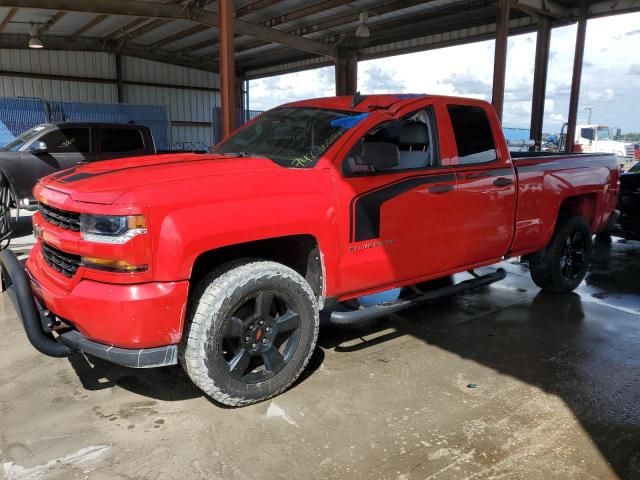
(395, 223)
(486, 185)
(119, 142)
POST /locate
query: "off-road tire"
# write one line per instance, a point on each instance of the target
(214, 300)
(546, 265)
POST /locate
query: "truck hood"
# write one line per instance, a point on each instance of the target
(104, 182)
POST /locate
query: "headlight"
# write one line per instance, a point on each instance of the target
(116, 229)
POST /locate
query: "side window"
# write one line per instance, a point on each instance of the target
(413, 136)
(68, 140)
(586, 133)
(120, 140)
(472, 131)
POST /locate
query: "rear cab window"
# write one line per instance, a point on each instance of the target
(120, 140)
(473, 135)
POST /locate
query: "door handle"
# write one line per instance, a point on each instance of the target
(503, 182)
(440, 189)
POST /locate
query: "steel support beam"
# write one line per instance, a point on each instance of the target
(7, 19)
(89, 25)
(500, 57)
(105, 81)
(119, 84)
(543, 41)
(52, 21)
(85, 44)
(545, 8)
(576, 79)
(346, 73)
(227, 67)
(174, 12)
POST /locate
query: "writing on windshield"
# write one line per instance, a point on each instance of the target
(291, 136)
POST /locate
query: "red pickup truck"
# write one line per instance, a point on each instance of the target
(223, 262)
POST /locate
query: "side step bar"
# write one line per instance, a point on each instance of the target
(351, 317)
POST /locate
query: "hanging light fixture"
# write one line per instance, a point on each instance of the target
(363, 30)
(34, 41)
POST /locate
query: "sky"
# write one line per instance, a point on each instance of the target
(610, 76)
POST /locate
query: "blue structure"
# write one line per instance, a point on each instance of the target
(516, 134)
(20, 114)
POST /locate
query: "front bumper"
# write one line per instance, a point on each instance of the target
(37, 323)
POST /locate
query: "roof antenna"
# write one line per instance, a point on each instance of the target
(357, 100)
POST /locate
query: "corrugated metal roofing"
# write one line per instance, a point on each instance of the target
(394, 24)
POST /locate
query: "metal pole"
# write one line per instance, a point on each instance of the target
(577, 76)
(119, 83)
(346, 73)
(227, 67)
(500, 57)
(540, 78)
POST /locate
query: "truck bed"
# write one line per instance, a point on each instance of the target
(547, 179)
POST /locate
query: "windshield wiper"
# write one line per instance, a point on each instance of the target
(242, 155)
(234, 154)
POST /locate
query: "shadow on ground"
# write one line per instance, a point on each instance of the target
(97, 374)
(583, 352)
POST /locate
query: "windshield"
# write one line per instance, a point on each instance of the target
(21, 140)
(291, 137)
(603, 133)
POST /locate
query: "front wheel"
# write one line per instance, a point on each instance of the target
(563, 264)
(252, 329)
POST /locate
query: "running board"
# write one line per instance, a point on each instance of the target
(350, 317)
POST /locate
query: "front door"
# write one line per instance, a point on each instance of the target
(395, 222)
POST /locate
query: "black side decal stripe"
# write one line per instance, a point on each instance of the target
(495, 172)
(365, 208)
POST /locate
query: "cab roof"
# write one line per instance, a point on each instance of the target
(366, 103)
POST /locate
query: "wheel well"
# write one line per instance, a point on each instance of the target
(580, 205)
(298, 252)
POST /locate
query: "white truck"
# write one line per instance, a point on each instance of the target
(600, 139)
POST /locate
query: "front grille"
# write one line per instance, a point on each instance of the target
(60, 218)
(65, 263)
(629, 151)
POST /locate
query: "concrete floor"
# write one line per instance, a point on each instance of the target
(557, 396)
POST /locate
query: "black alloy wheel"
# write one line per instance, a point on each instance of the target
(564, 263)
(573, 255)
(251, 330)
(260, 337)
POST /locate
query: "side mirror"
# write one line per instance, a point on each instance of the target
(38, 147)
(380, 155)
(616, 133)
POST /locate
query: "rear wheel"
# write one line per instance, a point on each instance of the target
(252, 330)
(563, 264)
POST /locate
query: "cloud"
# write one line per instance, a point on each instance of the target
(467, 84)
(610, 77)
(600, 95)
(556, 117)
(379, 80)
